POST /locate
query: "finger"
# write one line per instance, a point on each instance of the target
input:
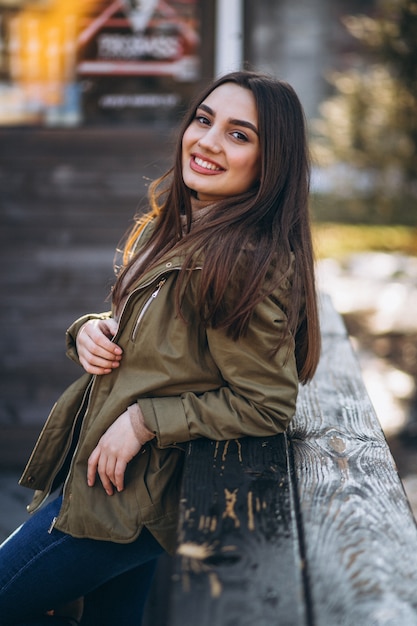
(119, 474)
(94, 370)
(104, 348)
(100, 347)
(105, 471)
(103, 335)
(92, 467)
(94, 361)
(97, 340)
(109, 327)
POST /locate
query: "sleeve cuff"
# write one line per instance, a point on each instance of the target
(166, 418)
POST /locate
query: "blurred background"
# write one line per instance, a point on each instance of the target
(91, 92)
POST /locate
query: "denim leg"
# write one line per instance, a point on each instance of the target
(40, 570)
(131, 590)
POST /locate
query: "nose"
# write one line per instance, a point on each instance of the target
(210, 140)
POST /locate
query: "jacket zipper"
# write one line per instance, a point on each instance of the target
(91, 387)
(146, 307)
(64, 455)
(77, 446)
(173, 268)
(135, 291)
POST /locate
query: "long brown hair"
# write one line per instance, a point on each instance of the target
(266, 227)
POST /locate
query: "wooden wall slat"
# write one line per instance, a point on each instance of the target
(67, 197)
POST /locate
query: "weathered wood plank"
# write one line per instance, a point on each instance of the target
(331, 321)
(359, 533)
(351, 561)
(238, 559)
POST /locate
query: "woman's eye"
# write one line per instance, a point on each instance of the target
(202, 119)
(238, 135)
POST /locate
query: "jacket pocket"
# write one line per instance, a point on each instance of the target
(145, 308)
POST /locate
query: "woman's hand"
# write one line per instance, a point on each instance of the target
(119, 444)
(97, 353)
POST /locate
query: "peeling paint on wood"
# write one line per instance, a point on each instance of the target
(246, 490)
(251, 519)
(231, 499)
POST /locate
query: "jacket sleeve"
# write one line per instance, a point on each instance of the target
(74, 329)
(257, 398)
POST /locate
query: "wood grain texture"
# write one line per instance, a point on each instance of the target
(309, 530)
(359, 533)
(238, 560)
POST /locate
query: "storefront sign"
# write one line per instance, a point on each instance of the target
(117, 60)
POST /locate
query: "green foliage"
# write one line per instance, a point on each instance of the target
(370, 124)
(371, 208)
(337, 240)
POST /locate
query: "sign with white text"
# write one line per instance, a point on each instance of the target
(139, 55)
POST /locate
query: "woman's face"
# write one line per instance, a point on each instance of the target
(221, 154)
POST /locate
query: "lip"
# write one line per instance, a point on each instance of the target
(204, 170)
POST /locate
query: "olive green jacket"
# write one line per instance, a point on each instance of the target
(190, 381)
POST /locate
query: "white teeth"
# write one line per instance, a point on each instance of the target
(206, 164)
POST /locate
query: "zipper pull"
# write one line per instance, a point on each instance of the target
(52, 526)
(146, 306)
(158, 287)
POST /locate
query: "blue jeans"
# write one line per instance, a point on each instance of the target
(40, 571)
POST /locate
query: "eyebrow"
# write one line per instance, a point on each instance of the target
(236, 122)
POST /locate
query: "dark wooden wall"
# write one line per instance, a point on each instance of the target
(66, 199)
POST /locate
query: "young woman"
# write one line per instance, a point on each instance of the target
(213, 324)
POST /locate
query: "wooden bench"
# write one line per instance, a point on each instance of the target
(308, 528)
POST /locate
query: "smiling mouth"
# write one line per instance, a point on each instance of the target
(206, 165)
